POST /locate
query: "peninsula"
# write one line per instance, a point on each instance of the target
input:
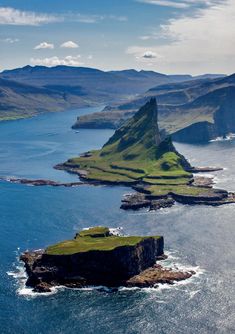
(141, 156)
(97, 257)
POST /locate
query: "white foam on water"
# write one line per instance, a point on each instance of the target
(117, 231)
(230, 136)
(211, 176)
(20, 275)
(173, 262)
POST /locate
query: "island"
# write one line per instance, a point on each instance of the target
(97, 257)
(144, 158)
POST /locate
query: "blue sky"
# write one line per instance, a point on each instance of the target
(169, 36)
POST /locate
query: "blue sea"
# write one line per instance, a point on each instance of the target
(196, 237)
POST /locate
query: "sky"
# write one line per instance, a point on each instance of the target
(167, 36)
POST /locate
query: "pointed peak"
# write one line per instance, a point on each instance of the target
(139, 136)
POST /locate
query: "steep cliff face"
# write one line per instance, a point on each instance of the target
(223, 118)
(195, 133)
(110, 267)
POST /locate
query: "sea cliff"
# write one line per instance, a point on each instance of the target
(96, 257)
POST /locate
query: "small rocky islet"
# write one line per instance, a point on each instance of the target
(97, 257)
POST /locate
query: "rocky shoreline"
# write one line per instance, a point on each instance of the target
(129, 265)
(41, 182)
(142, 198)
(138, 201)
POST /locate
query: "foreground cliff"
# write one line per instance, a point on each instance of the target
(96, 257)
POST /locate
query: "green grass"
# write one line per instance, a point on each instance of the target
(166, 181)
(104, 169)
(85, 242)
(13, 118)
(133, 154)
(159, 190)
(95, 232)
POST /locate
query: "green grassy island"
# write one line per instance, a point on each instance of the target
(97, 257)
(94, 239)
(143, 157)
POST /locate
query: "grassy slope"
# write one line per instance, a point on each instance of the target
(86, 241)
(131, 155)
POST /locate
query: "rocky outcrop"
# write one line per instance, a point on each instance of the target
(158, 275)
(138, 201)
(212, 197)
(93, 267)
(42, 182)
(126, 265)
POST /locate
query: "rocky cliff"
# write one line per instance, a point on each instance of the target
(96, 257)
(221, 105)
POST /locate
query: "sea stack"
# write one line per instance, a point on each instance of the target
(96, 257)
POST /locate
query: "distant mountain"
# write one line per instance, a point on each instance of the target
(95, 84)
(19, 100)
(56, 88)
(181, 106)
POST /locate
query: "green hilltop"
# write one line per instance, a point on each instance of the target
(137, 153)
(94, 239)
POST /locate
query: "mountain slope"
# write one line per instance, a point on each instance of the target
(203, 101)
(140, 156)
(216, 117)
(136, 152)
(68, 87)
(89, 82)
(19, 100)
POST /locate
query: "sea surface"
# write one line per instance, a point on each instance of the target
(197, 237)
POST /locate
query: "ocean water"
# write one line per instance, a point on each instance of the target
(197, 237)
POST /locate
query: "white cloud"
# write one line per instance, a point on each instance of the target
(69, 45)
(166, 3)
(196, 44)
(10, 40)
(83, 18)
(12, 16)
(90, 57)
(44, 45)
(181, 4)
(55, 61)
(149, 55)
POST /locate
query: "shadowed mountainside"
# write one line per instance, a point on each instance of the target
(18, 100)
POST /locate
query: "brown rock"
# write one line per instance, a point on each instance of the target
(42, 287)
(157, 274)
